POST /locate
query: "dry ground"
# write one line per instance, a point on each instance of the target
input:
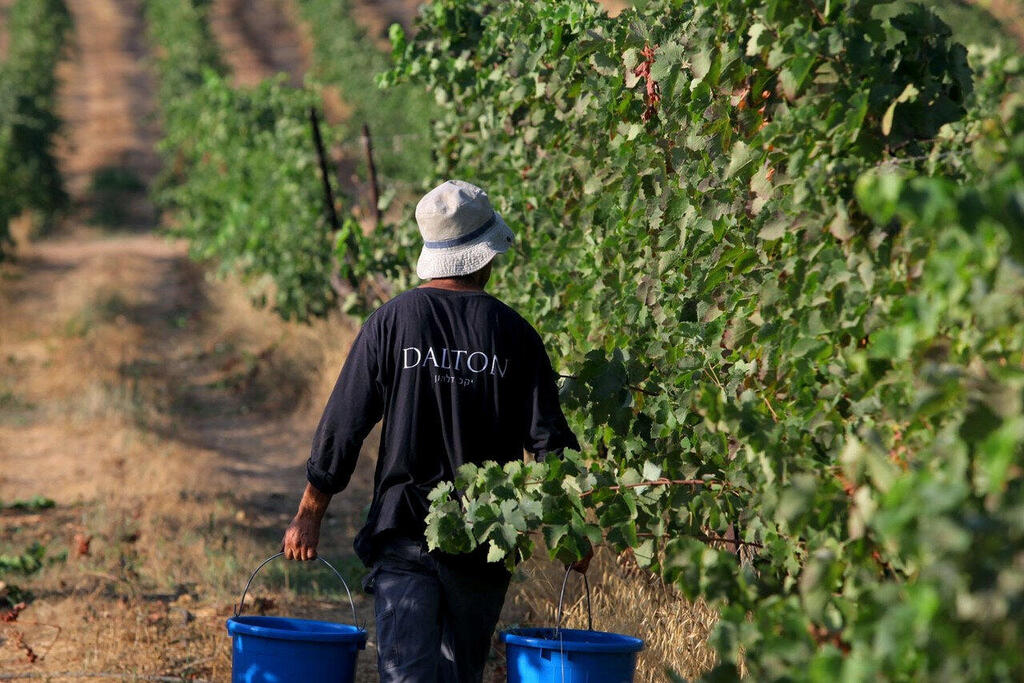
(1010, 13)
(258, 39)
(169, 420)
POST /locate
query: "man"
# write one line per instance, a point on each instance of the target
(458, 377)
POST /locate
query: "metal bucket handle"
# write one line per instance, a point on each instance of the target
(238, 610)
(561, 599)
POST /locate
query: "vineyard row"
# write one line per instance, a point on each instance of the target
(29, 177)
(776, 250)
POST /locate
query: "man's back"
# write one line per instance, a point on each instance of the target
(458, 377)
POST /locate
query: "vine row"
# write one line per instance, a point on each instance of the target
(29, 177)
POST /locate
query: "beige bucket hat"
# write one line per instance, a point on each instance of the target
(461, 231)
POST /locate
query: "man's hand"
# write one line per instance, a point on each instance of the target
(582, 565)
(301, 539)
(303, 535)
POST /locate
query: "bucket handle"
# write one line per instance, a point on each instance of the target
(238, 610)
(561, 599)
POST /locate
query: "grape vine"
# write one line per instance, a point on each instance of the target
(241, 169)
(345, 57)
(29, 177)
(778, 250)
(241, 172)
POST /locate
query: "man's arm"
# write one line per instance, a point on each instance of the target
(303, 535)
(355, 405)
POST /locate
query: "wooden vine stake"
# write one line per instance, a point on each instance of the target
(371, 169)
(332, 212)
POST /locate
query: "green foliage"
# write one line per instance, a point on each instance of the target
(186, 51)
(36, 502)
(503, 503)
(251, 196)
(27, 562)
(399, 118)
(972, 23)
(12, 595)
(29, 178)
(241, 170)
(779, 249)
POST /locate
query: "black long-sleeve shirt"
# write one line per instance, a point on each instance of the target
(458, 377)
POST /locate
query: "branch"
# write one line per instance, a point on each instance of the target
(700, 537)
(642, 390)
(710, 372)
(332, 213)
(721, 539)
(19, 638)
(628, 386)
(706, 539)
(816, 11)
(660, 482)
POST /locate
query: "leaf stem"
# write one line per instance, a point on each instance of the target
(633, 387)
(658, 482)
(707, 538)
(816, 11)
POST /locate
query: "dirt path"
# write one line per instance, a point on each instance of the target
(109, 156)
(1010, 13)
(159, 411)
(377, 15)
(258, 40)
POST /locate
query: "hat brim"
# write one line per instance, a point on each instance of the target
(465, 258)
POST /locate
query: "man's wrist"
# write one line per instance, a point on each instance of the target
(313, 505)
(308, 515)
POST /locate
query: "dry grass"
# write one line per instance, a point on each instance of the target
(170, 421)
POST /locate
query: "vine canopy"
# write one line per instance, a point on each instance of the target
(775, 247)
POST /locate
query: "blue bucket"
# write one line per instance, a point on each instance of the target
(543, 655)
(286, 650)
(537, 655)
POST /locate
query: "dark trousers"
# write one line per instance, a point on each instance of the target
(435, 614)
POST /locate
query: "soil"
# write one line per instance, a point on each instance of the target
(109, 153)
(376, 16)
(258, 39)
(1010, 13)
